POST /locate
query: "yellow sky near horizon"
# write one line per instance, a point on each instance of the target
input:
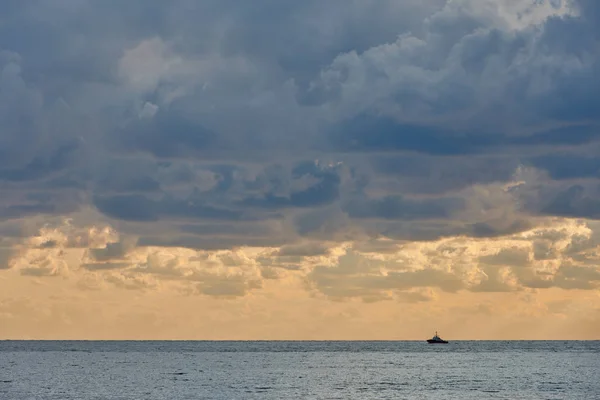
(540, 284)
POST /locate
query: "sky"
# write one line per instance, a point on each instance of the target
(278, 169)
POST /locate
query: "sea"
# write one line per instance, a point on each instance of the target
(124, 370)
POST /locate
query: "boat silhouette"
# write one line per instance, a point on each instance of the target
(436, 339)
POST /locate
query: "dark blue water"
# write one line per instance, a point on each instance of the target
(299, 370)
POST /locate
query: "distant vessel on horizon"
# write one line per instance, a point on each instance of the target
(436, 339)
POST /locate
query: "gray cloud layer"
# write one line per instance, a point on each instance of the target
(219, 123)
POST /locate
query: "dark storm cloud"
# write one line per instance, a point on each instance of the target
(34, 143)
(382, 134)
(323, 192)
(574, 201)
(367, 133)
(304, 250)
(568, 166)
(41, 166)
(140, 208)
(424, 230)
(416, 172)
(222, 235)
(488, 230)
(189, 112)
(566, 136)
(168, 135)
(229, 229)
(399, 208)
(21, 210)
(304, 185)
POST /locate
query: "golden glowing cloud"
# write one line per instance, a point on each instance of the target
(72, 281)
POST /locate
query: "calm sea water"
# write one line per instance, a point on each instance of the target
(64, 370)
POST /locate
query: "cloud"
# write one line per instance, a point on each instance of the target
(6, 255)
(113, 251)
(513, 257)
(307, 249)
(568, 277)
(105, 266)
(413, 273)
(354, 275)
(496, 281)
(416, 173)
(320, 140)
(396, 207)
(43, 263)
(154, 100)
(226, 286)
(140, 208)
(323, 191)
(573, 202)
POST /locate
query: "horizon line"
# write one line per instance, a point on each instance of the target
(294, 340)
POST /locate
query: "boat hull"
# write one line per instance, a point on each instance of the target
(436, 341)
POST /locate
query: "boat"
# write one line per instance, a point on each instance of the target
(436, 339)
